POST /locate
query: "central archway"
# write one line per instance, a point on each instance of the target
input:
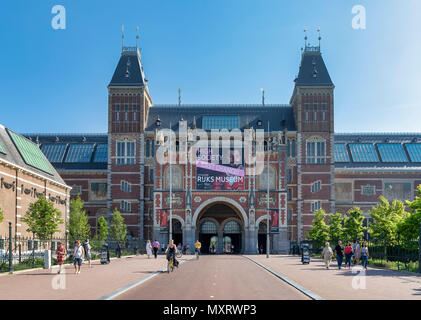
(220, 225)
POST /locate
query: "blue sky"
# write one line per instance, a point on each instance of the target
(220, 51)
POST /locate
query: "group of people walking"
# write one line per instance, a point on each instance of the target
(80, 252)
(353, 253)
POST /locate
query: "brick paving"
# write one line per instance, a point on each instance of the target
(380, 284)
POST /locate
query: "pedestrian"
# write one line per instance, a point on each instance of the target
(155, 247)
(87, 247)
(118, 250)
(61, 254)
(148, 248)
(78, 253)
(348, 255)
(339, 249)
(364, 255)
(357, 252)
(327, 254)
(179, 247)
(261, 249)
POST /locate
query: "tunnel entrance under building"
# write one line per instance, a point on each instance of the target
(177, 233)
(220, 230)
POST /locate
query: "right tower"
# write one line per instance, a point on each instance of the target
(313, 105)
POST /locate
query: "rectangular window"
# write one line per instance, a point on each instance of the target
(368, 190)
(316, 186)
(151, 177)
(289, 194)
(76, 189)
(343, 191)
(220, 122)
(323, 112)
(397, 191)
(315, 112)
(99, 189)
(125, 152)
(316, 152)
(289, 175)
(117, 113)
(315, 205)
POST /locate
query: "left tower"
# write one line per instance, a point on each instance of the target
(128, 107)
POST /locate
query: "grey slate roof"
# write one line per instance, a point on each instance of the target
(313, 71)
(129, 70)
(249, 114)
(13, 156)
(78, 138)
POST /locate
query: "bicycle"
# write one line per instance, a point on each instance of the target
(179, 254)
(170, 266)
(197, 253)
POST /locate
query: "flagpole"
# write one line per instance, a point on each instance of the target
(170, 162)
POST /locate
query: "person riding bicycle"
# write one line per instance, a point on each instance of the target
(197, 247)
(171, 251)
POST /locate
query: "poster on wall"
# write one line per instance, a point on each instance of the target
(212, 174)
(274, 220)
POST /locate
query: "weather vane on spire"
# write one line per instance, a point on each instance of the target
(320, 38)
(179, 96)
(305, 38)
(122, 37)
(137, 35)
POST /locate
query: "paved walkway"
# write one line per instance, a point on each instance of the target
(216, 277)
(380, 284)
(91, 283)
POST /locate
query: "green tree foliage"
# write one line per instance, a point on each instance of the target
(319, 231)
(385, 219)
(118, 230)
(103, 229)
(336, 230)
(1, 215)
(410, 225)
(79, 228)
(353, 224)
(42, 218)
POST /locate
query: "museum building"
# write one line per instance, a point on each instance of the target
(306, 165)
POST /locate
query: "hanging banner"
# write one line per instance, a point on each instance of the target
(164, 219)
(274, 220)
(212, 174)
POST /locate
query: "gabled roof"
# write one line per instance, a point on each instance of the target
(313, 71)
(279, 116)
(129, 70)
(19, 151)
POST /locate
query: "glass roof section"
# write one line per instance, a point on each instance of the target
(220, 122)
(101, 153)
(80, 152)
(1, 149)
(392, 152)
(54, 151)
(414, 151)
(29, 151)
(363, 152)
(341, 153)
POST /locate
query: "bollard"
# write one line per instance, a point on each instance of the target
(10, 248)
(47, 259)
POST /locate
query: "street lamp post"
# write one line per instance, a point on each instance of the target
(10, 248)
(170, 163)
(267, 202)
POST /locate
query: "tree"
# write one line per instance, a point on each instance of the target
(1, 215)
(336, 230)
(118, 229)
(103, 229)
(319, 230)
(353, 224)
(385, 218)
(410, 225)
(42, 218)
(79, 227)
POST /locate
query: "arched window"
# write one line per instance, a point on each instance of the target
(263, 182)
(232, 227)
(177, 177)
(208, 227)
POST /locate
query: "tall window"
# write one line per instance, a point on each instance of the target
(324, 113)
(315, 112)
(307, 112)
(126, 112)
(125, 152)
(315, 205)
(316, 186)
(125, 186)
(316, 151)
(117, 114)
(147, 147)
(134, 113)
(125, 206)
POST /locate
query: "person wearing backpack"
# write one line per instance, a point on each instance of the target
(339, 249)
(87, 247)
(348, 255)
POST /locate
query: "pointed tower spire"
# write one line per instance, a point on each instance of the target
(320, 38)
(179, 96)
